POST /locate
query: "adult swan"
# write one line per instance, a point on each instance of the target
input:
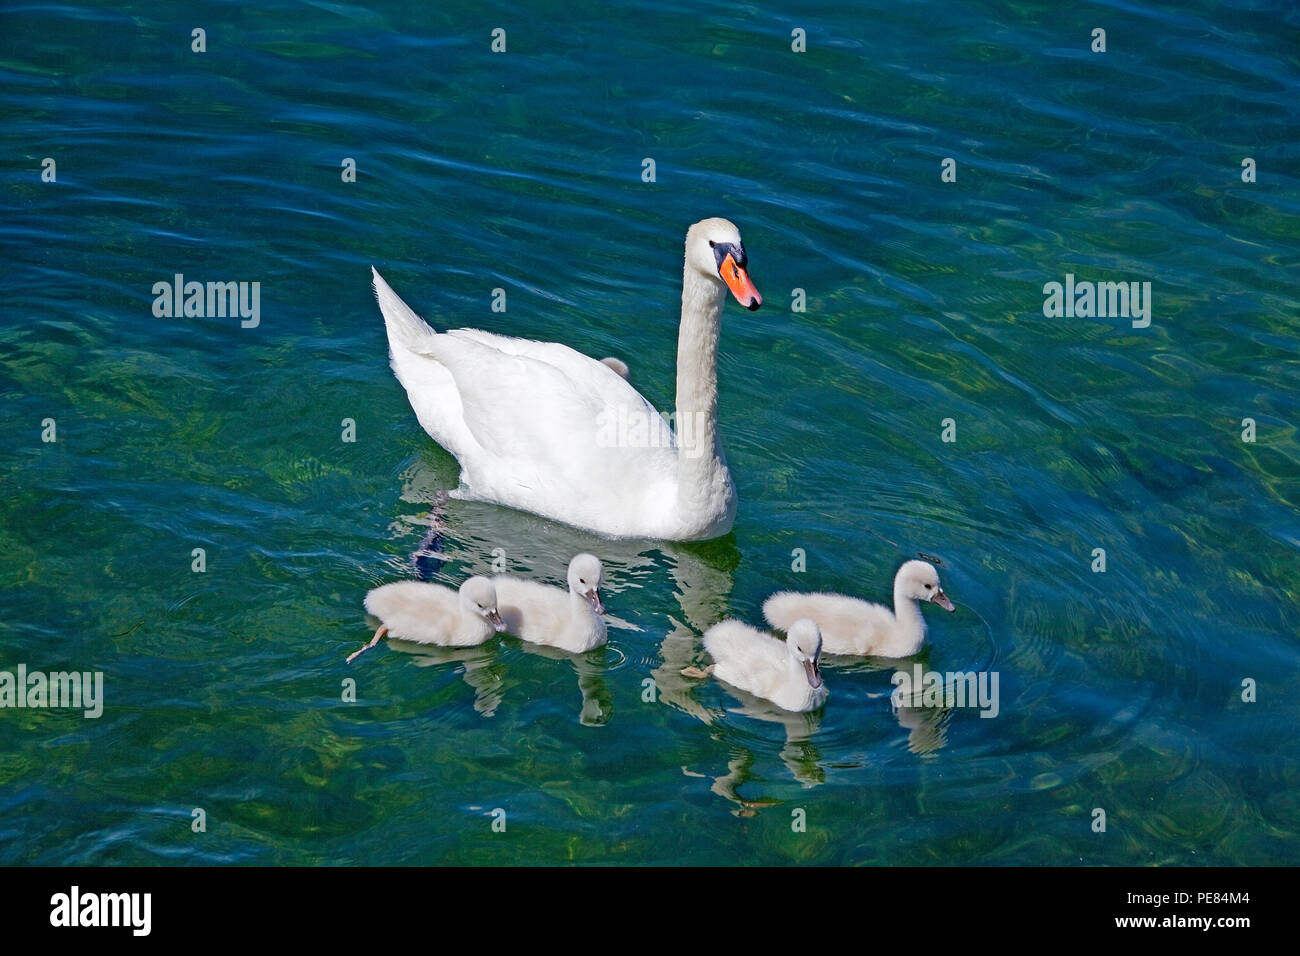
(540, 427)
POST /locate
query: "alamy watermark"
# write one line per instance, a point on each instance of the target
(1085, 300)
(923, 688)
(75, 908)
(618, 427)
(79, 690)
(212, 300)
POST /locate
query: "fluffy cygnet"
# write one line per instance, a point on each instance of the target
(851, 626)
(432, 614)
(784, 672)
(541, 614)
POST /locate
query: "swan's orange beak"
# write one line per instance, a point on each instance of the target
(738, 281)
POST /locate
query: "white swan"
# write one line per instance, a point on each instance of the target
(541, 614)
(540, 427)
(432, 614)
(784, 672)
(850, 626)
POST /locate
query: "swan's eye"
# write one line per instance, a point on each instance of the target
(712, 243)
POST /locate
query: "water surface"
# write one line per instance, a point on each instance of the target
(1119, 690)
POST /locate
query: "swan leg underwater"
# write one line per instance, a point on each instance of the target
(542, 428)
(383, 629)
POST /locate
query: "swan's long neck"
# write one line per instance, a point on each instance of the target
(907, 612)
(703, 482)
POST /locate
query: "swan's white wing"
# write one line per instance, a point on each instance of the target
(550, 424)
(581, 370)
(535, 425)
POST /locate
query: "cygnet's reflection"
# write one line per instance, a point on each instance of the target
(799, 754)
(926, 725)
(484, 671)
(597, 700)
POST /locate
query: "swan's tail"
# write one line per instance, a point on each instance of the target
(404, 326)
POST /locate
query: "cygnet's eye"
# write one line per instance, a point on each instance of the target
(929, 587)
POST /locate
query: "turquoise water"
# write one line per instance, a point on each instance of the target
(522, 170)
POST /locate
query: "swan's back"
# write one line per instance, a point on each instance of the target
(530, 422)
(747, 658)
(417, 611)
(848, 625)
(547, 420)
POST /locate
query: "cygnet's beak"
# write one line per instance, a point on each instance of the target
(941, 599)
(594, 597)
(738, 281)
(814, 674)
(495, 617)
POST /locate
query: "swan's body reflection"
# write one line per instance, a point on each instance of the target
(926, 726)
(484, 672)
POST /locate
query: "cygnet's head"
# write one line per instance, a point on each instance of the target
(479, 596)
(585, 576)
(920, 580)
(714, 249)
(805, 643)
